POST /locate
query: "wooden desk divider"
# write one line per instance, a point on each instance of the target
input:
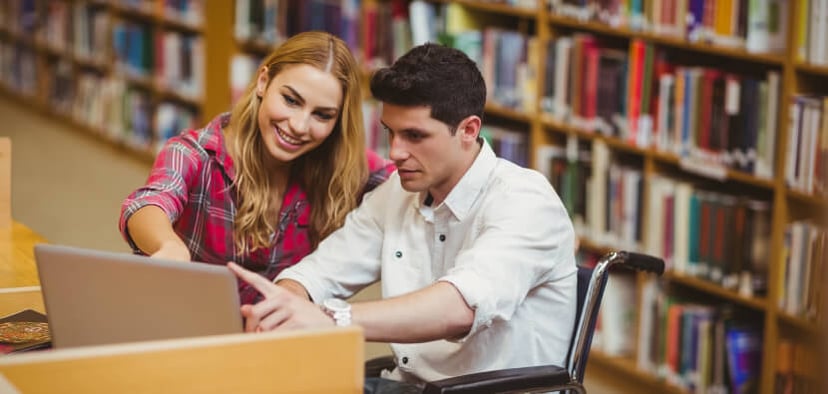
(316, 361)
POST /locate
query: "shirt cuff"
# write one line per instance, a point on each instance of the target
(476, 297)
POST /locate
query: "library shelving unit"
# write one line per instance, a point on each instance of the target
(64, 56)
(779, 201)
(128, 72)
(760, 192)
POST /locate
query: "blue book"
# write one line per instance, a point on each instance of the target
(744, 358)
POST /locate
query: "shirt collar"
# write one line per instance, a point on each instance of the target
(461, 198)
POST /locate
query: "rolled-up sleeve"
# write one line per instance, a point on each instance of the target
(525, 240)
(167, 185)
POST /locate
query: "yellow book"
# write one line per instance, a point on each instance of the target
(802, 31)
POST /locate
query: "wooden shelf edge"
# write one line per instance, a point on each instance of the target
(734, 52)
(807, 198)
(660, 156)
(627, 366)
(504, 112)
(757, 303)
(815, 69)
(521, 12)
(799, 323)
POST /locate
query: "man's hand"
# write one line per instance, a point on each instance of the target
(280, 309)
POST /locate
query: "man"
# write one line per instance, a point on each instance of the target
(476, 254)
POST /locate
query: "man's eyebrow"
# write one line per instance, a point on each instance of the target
(301, 99)
(409, 130)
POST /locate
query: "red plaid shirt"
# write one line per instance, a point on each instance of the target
(192, 181)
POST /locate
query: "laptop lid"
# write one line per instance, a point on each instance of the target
(95, 297)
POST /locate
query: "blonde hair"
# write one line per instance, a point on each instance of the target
(332, 175)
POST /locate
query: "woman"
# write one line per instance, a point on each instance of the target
(262, 185)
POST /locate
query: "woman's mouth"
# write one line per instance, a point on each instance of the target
(287, 140)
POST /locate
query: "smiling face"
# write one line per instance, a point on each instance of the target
(427, 155)
(299, 109)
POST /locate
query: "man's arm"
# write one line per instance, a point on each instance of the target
(435, 312)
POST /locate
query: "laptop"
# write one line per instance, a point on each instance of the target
(94, 297)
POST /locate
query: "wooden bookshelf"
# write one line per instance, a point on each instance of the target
(786, 204)
(151, 14)
(773, 190)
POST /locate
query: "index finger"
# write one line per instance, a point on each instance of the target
(258, 282)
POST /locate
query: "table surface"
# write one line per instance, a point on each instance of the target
(17, 263)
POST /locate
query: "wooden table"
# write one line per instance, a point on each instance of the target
(19, 284)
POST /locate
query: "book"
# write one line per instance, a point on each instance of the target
(24, 331)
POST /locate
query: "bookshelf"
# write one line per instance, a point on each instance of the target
(765, 194)
(128, 72)
(64, 77)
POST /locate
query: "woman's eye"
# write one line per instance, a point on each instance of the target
(325, 116)
(290, 100)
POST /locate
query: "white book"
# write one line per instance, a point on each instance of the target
(793, 287)
(758, 35)
(665, 87)
(811, 145)
(681, 226)
(631, 216)
(649, 299)
(243, 30)
(794, 129)
(655, 215)
(765, 162)
(596, 204)
(563, 48)
(422, 14)
(617, 315)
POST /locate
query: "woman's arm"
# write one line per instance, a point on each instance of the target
(152, 232)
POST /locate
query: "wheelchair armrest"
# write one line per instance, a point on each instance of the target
(513, 379)
(374, 366)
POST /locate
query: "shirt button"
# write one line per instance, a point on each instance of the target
(405, 360)
(442, 237)
(398, 254)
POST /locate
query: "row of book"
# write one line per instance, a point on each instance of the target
(806, 160)
(798, 367)
(187, 12)
(805, 270)
(602, 195)
(639, 95)
(699, 232)
(756, 25)
(111, 106)
(174, 60)
(811, 28)
(701, 348)
(508, 143)
(270, 22)
(708, 234)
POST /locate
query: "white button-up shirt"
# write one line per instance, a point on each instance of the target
(502, 237)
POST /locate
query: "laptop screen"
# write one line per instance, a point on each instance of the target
(95, 297)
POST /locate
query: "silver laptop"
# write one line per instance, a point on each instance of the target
(94, 297)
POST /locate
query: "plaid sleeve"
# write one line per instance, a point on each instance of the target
(176, 166)
(379, 170)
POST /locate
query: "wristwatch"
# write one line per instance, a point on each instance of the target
(339, 310)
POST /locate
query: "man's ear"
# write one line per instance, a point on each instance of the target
(469, 128)
(261, 82)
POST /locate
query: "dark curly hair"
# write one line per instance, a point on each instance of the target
(437, 76)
